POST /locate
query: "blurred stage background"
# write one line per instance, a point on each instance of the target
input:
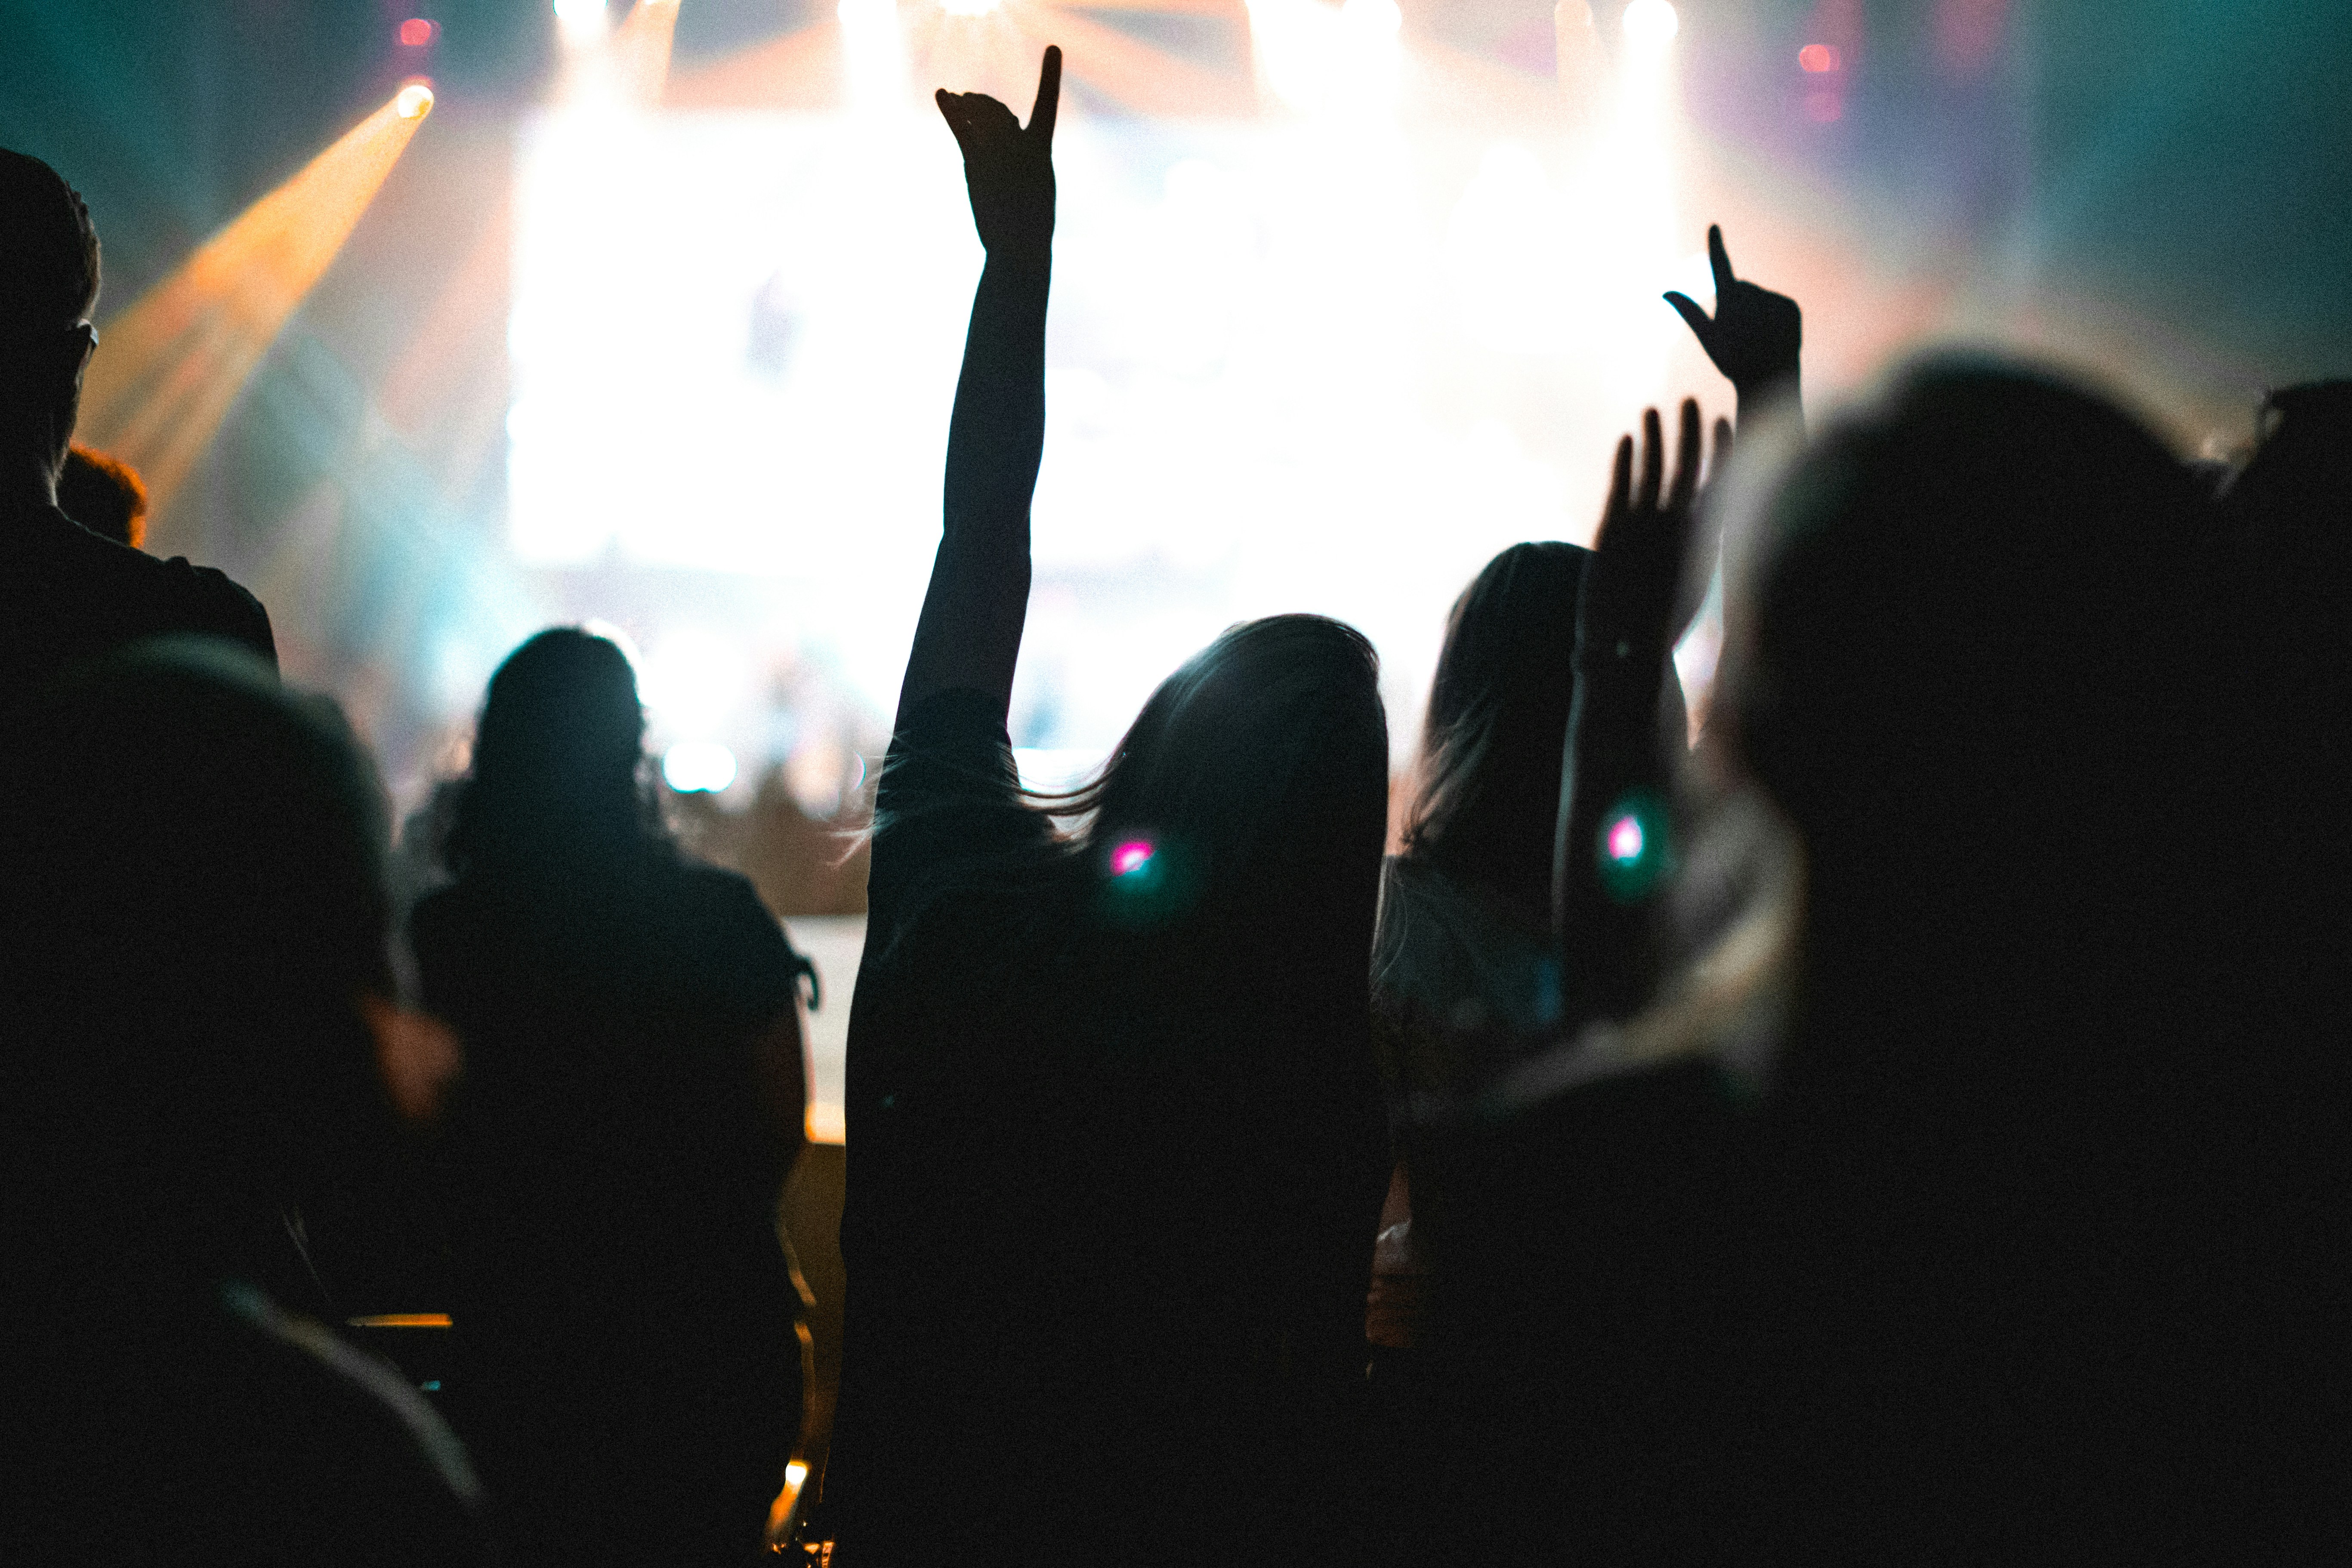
(656, 319)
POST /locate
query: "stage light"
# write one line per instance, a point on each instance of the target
(1323, 60)
(1817, 58)
(1131, 859)
(169, 367)
(699, 767)
(1625, 840)
(1651, 24)
(419, 31)
(969, 7)
(583, 20)
(873, 56)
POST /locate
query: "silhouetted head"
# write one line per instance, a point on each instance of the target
(49, 286)
(1497, 722)
(1949, 640)
(1256, 778)
(103, 494)
(558, 767)
(196, 933)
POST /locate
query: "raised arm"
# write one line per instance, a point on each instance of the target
(1615, 842)
(1754, 337)
(970, 633)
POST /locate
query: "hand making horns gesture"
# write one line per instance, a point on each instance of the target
(1009, 168)
(1754, 336)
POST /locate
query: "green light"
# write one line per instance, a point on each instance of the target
(1635, 850)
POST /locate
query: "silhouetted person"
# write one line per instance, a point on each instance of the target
(1114, 1129)
(634, 1096)
(2010, 1294)
(103, 494)
(199, 1036)
(66, 593)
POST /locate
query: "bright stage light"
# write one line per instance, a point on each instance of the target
(699, 767)
(1328, 60)
(969, 7)
(874, 58)
(1238, 422)
(583, 21)
(169, 367)
(1651, 24)
(419, 31)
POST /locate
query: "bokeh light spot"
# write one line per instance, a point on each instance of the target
(1130, 858)
(1652, 22)
(1816, 60)
(699, 767)
(418, 31)
(414, 100)
(1625, 839)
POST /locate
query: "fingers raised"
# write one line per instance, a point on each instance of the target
(1049, 96)
(1687, 451)
(1720, 260)
(1621, 487)
(1701, 326)
(1653, 462)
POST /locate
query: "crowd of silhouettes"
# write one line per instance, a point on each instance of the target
(1898, 1117)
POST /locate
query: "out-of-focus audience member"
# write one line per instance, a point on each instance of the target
(1990, 1305)
(65, 594)
(103, 494)
(628, 1374)
(200, 1032)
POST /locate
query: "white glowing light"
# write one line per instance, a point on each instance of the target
(969, 7)
(873, 58)
(1651, 24)
(698, 767)
(1325, 60)
(795, 1473)
(693, 681)
(583, 21)
(413, 101)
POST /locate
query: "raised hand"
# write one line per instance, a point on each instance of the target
(1009, 168)
(1754, 336)
(1628, 599)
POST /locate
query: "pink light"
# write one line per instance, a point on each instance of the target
(1625, 839)
(1130, 858)
(417, 32)
(1817, 58)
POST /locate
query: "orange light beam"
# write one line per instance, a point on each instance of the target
(800, 70)
(168, 368)
(640, 51)
(1147, 79)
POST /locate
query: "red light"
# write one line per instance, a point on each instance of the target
(1817, 58)
(417, 32)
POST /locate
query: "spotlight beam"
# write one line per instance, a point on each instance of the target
(1147, 79)
(168, 369)
(801, 70)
